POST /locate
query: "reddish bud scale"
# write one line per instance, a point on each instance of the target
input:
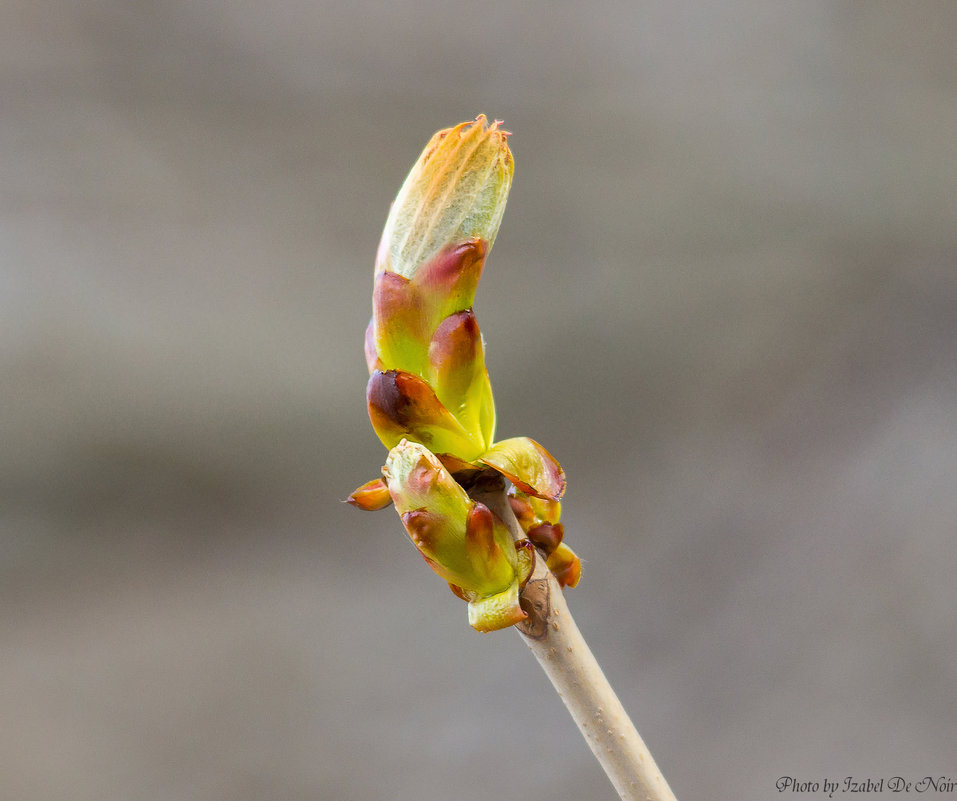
(456, 358)
(399, 324)
(452, 277)
(547, 536)
(420, 527)
(523, 512)
(400, 402)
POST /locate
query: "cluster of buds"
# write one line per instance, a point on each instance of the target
(539, 518)
(429, 395)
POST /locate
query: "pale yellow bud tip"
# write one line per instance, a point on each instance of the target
(457, 190)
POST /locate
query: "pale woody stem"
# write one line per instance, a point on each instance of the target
(551, 634)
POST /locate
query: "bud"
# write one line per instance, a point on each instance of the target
(460, 539)
(455, 192)
(371, 496)
(436, 239)
(429, 396)
(539, 518)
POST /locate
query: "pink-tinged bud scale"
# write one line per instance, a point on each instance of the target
(451, 278)
(402, 405)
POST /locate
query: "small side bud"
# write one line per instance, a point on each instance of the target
(547, 536)
(566, 566)
(371, 496)
(539, 518)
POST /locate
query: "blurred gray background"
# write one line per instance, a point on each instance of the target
(724, 295)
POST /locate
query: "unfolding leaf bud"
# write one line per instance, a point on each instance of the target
(429, 396)
(436, 238)
(460, 539)
(456, 191)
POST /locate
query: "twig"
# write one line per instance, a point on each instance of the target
(550, 632)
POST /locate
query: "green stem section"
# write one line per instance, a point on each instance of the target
(553, 637)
